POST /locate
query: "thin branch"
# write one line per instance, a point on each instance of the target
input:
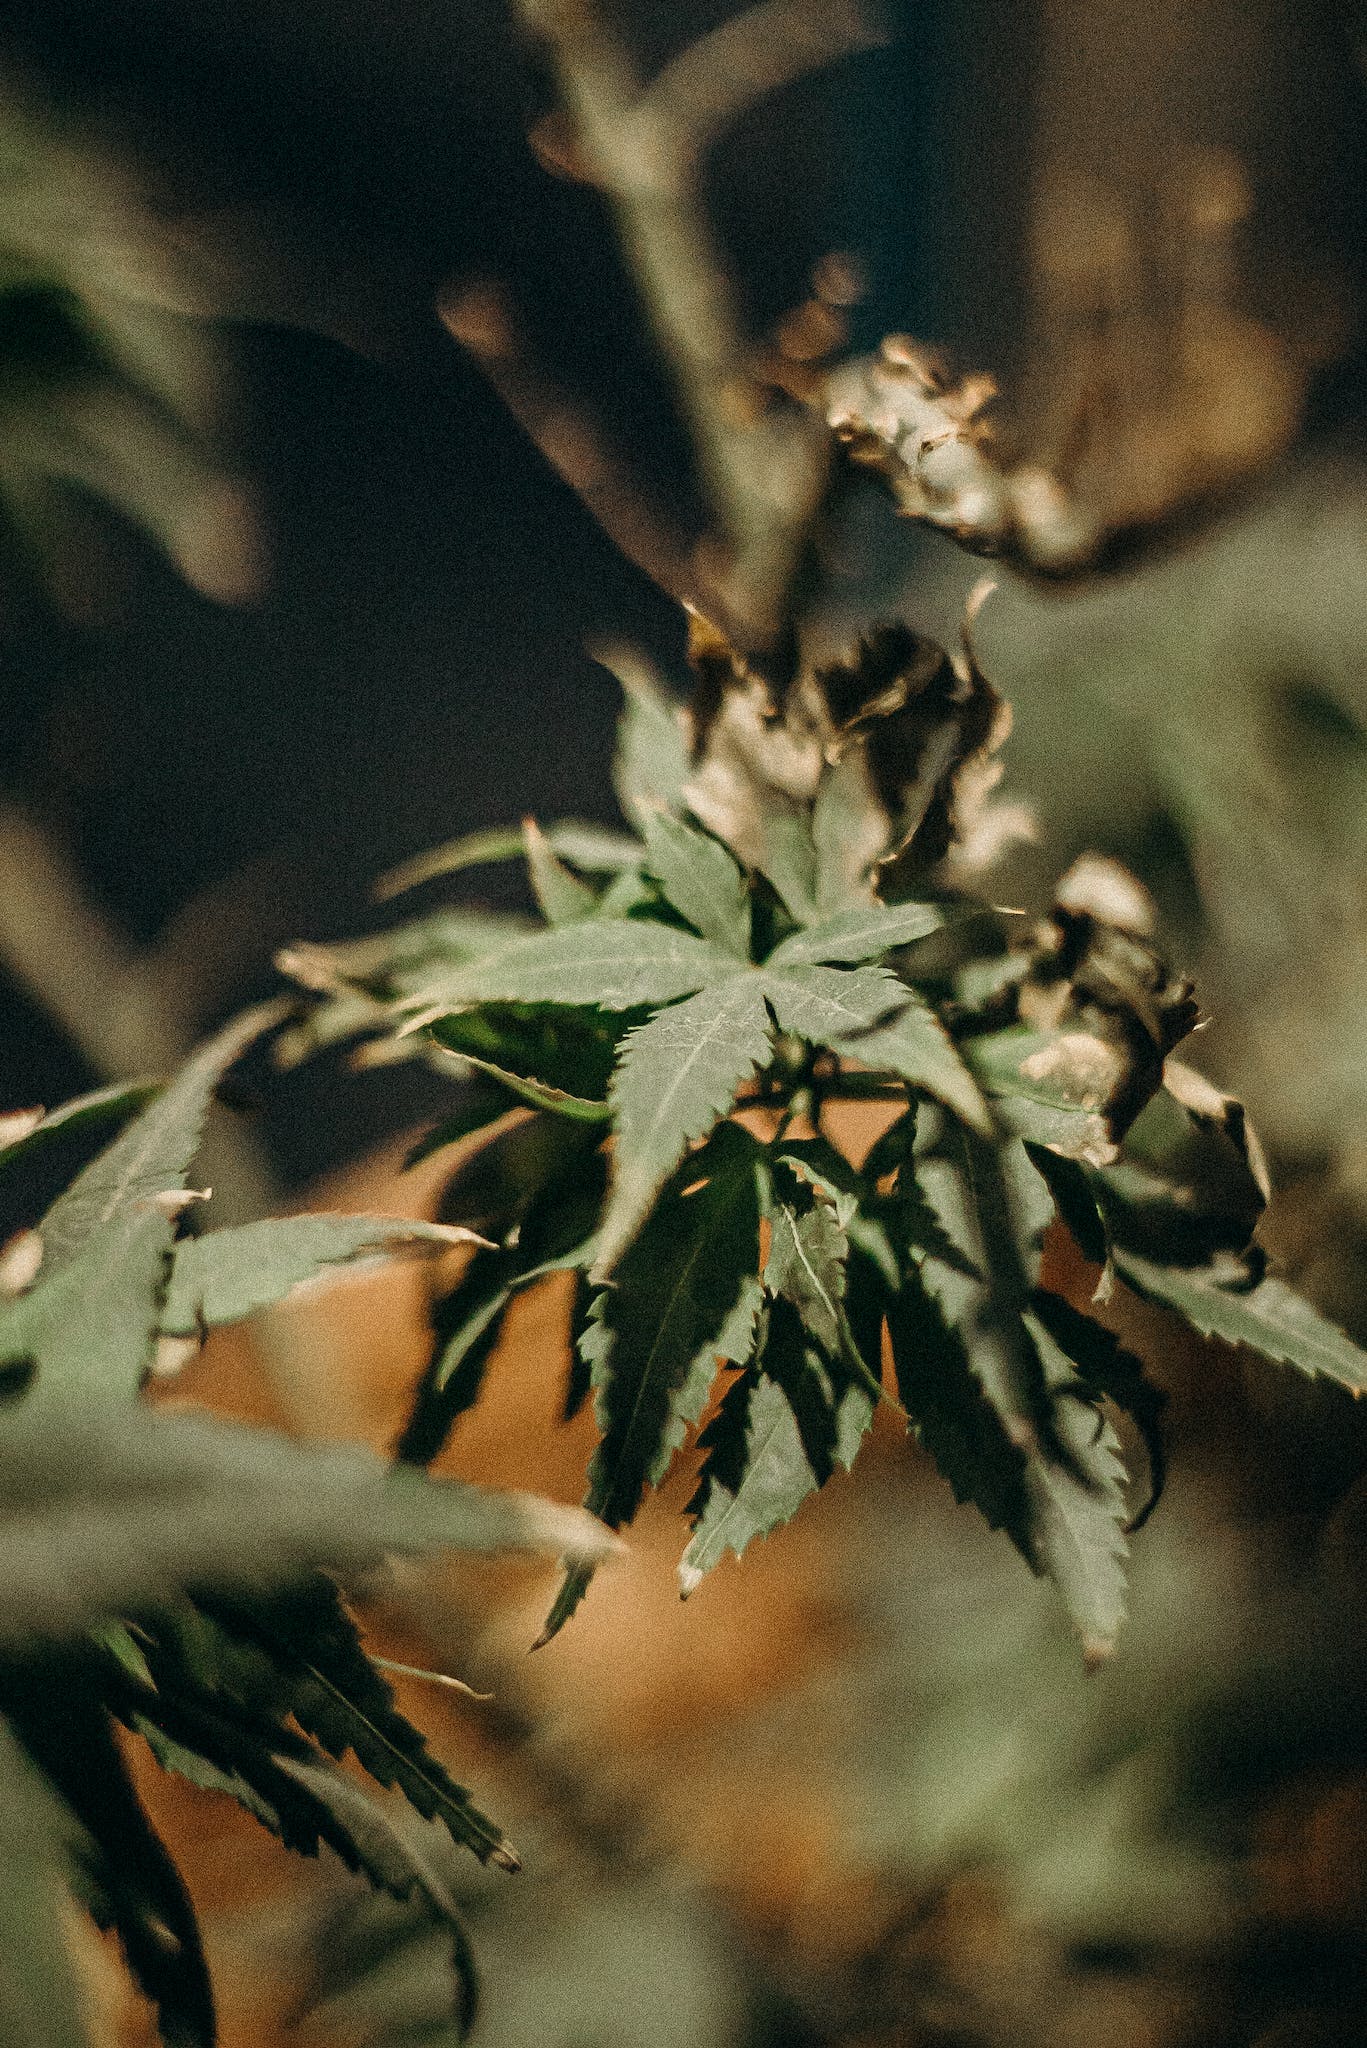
(479, 320)
(708, 86)
(764, 463)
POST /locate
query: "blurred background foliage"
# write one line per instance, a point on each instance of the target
(286, 595)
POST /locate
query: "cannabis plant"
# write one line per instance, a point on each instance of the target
(660, 1073)
(183, 1579)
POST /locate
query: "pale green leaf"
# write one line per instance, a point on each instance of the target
(651, 764)
(1069, 1515)
(229, 1274)
(610, 963)
(700, 879)
(854, 936)
(676, 1075)
(117, 1513)
(1270, 1318)
(153, 1156)
(561, 896)
(867, 1014)
(89, 1329)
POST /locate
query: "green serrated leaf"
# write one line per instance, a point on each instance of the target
(950, 1413)
(89, 1323)
(808, 1248)
(700, 879)
(1078, 1507)
(867, 1014)
(1069, 1518)
(651, 764)
(114, 1104)
(910, 1221)
(181, 1761)
(304, 1651)
(561, 1053)
(782, 1427)
(1269, 1318)
(561, 896)
(229, 1274)
(1110, 1370)
(155, 1153)
(676, 1076)
(854, 936)
(755, 1478)
(686, 1297)
(584, 1109)
(89, 1330)
(1076, 1201)
(611, 963)
(283, 1781)
(114, 1513)
(68, 1735)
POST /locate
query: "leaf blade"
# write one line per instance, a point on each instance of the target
(676, 1076)
(609, 963)
(853, 937)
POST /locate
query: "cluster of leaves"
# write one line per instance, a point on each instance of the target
(674, 1034)
(172, 1574)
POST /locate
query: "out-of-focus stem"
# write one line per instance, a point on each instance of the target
(763, 462)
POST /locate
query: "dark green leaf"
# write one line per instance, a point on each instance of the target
(562, 1052)
(465, 1327)
(1109, 1369)
(675, 1077)
(68, 1735)
(1078, 1506)
(41, 2003)
(309, 1655)
(780, 1430)
(686, 1297)
(1075, 1199)
(808, 1248)
(951, 1414)
(1069, 1521)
